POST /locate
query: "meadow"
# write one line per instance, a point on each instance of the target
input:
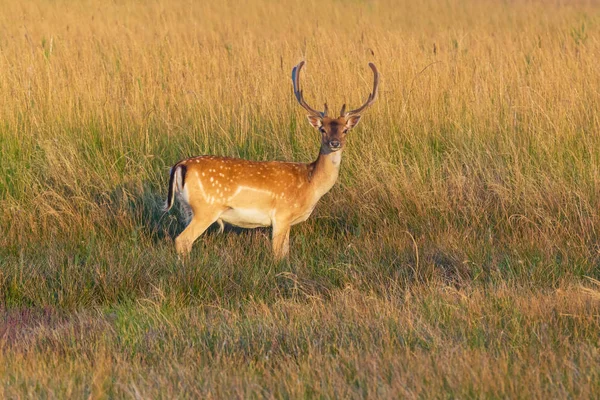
(458, 255)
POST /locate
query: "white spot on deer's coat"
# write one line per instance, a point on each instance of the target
(336, 157)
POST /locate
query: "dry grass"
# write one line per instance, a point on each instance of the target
(457, 256)
(432, 341)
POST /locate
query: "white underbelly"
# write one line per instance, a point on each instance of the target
(246, 217)
(302, 217)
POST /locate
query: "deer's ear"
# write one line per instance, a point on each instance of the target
(352, 121)
(314, 121)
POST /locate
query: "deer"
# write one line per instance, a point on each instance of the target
(252, 194)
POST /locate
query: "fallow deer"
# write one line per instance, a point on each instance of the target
(252, 194)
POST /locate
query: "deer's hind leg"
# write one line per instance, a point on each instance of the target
(199, 223)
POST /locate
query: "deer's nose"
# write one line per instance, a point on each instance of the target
(335, 144)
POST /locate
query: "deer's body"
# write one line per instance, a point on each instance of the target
(252, 194)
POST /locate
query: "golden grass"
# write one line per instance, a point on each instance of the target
(449, 261)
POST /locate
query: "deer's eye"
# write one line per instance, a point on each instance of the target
(322, 130)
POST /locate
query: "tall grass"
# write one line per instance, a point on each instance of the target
(456, 257)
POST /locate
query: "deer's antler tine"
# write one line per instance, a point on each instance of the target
(298, 92)
(372, 95)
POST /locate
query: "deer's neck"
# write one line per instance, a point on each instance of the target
(325, 171)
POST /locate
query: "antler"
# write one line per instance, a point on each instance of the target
(298, 92)
(371, 98)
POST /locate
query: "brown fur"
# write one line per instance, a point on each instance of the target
(284, 192)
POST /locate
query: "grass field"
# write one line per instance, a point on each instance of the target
(458, 256)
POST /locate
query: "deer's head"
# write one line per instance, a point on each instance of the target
(333, 130)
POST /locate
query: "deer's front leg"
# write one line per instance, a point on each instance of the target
(281, 239)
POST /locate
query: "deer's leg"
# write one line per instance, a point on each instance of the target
(281, 239)
(199, 223)
(221, 225)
